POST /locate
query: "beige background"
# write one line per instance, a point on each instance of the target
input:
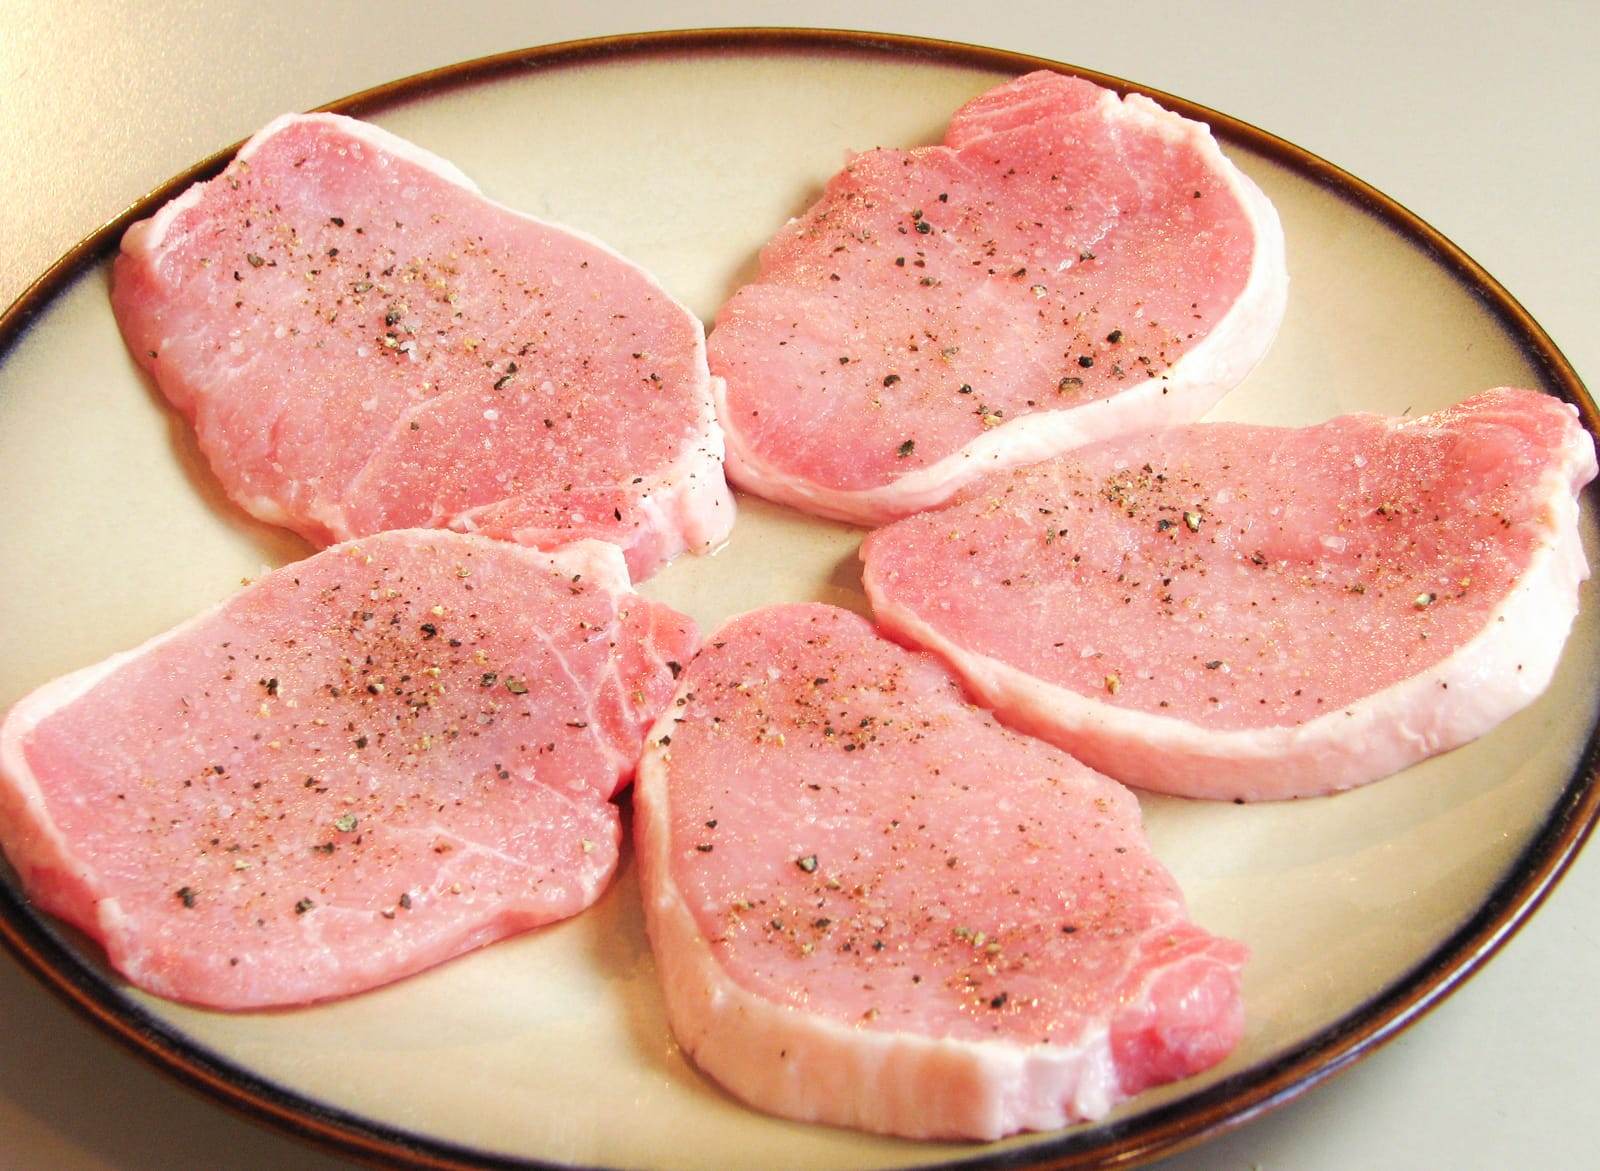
(1481, 118)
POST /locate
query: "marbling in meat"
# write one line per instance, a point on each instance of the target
(1235, 611)
(872, 905)
(364, 764)
(1069, 265)
(364, 342)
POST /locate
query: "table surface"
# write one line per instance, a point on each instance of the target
(1481, 117)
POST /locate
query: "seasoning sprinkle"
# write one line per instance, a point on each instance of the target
(1423, 601)
(346, 823)
(906, 448)
(1113, 684)
(185, 895)
(255, 261)
(516, 687)
(303, 906)
(1191, 521)
(808, 863)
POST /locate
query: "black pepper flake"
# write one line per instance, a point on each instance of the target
(487, 679)
(1114, 336)
(500, 383)
(906, 448)
(890, 379)
(1213, 664)
(964, 388)
(429, 630)
(361, 741)
(1071, 382)
(808, 863)
(255, 261)
(336, 221)
(675, 667)
(405, 902)
(271, 685)
(303, 906)
(924, 227)
(999, 1001)
(705, 847)
(185, 895)
(1085, 360)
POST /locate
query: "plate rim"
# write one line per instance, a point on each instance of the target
(41, 948)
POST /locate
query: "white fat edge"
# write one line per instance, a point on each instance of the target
(1247, 328)
(598, 562)
(148, 235)
(369, 133)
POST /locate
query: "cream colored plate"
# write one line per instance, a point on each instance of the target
(553, 1046)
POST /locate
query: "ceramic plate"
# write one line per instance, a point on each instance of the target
(686, 151)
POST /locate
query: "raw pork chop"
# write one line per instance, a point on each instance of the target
(1068, 266)
(1259, 612)
(362, 765)
(363, 342)
(873, 906)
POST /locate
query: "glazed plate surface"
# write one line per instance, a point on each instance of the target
(685, 153)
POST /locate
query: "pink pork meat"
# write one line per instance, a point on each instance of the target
(360, 766)
(1069, 265)
(1248, 612)
(364, 342)
(873, 906)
